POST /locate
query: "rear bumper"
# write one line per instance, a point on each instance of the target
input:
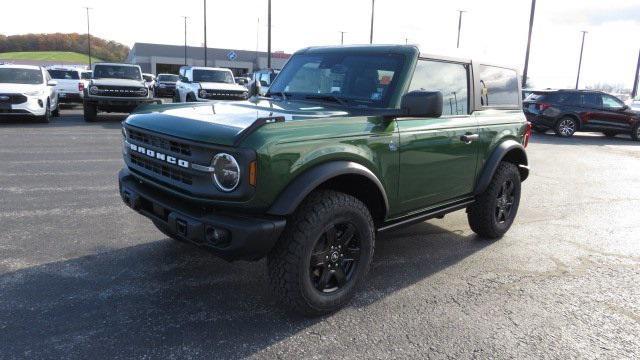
(540, 120)
(248, 237)
(66, 98)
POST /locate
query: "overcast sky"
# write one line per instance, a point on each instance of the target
(493, 30)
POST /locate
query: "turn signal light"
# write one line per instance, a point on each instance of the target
(253, 173)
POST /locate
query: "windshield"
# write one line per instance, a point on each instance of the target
(147, 78)
(64, 74)
(362, 80)
(217, 76)
(21, 76)
(86, 75)
(168, 78)
(117, 72)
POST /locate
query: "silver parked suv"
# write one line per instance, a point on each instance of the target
(115, 88)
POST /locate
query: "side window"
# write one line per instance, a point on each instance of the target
(611, 103)
(498, 86)
(265, 79)
(591, 100)
(451, 79)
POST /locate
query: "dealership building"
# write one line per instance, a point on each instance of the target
(158, 58)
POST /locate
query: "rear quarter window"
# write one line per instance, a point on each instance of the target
(498, 87)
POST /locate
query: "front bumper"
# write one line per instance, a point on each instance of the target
(249, 237)
(119, 104)
(165, 91)
(34, 106)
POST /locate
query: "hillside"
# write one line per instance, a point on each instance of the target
(62, 56)
(76, 43)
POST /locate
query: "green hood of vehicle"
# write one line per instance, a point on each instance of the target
(222, 122)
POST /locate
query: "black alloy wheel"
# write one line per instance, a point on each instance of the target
(505, 201)
(335, 257)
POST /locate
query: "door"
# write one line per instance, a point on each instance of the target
(613, 115)
(436, 163)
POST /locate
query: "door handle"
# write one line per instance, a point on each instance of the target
(469, 138)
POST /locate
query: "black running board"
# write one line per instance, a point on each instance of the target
(426, 215)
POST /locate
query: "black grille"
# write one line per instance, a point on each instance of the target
(164, 170)
(158, 142)
(225, 94)
(12, 99)
(119, 91)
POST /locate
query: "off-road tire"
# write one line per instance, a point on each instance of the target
(561, 125)
(191, 97)
(90, 112)
(482, 213)
(289, 261)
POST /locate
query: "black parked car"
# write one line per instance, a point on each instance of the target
(568, 111)
(165, 85)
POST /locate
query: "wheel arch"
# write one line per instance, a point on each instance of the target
(510, 151)
(344, 176)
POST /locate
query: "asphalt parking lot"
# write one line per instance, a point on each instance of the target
(82, 276)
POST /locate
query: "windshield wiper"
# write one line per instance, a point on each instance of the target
(328, 97)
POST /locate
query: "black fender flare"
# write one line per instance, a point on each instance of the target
(517, 155)
(297, 190)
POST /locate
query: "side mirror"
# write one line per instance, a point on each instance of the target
(422, 104)
(254, 89)
(184, 79)
(52, 83)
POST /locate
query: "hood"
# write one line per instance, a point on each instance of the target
(118, 82)
(222, 122)
(18, 88)
(222, 86)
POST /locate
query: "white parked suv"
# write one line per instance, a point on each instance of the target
(115, 88)
(206, 83)
(70, 86)
(27, 90)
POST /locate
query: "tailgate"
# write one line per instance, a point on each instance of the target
(67, 86)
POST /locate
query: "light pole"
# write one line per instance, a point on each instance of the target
(580, 62)
(342, 37)
(373, 8)
(205, 33)
(185, 39)
(88, 36)
(634, 93)
(526, 57)
(269, 35)
(459, 26)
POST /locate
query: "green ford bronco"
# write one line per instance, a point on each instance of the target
(348, 142)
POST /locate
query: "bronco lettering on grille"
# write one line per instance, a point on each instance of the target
(160, 156)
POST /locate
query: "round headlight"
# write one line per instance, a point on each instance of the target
(226, 172)
(202, 93)
(93, 89)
